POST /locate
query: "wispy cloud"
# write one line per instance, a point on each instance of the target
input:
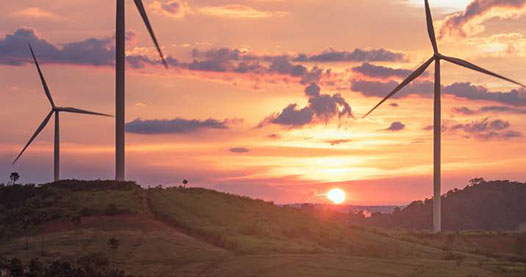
(237, 12)
(462, 90)
(176, 9)
(239, 150)
(470, 21)
(37, 13)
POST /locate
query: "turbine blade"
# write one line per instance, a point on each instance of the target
(404, 83)
(75, 110)
(471, 66)
(39, 129)
(431, 28)
(44, 84)
(144, 16)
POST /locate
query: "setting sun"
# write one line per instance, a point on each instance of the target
(336, 196)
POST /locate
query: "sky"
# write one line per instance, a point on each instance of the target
(265, 98)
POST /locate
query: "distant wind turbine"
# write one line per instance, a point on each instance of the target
(120, 58)
(437, 222)
(54, 111)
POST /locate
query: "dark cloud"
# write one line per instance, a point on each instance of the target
(14, 50)
(375, 71)
(176, 126)
(239, 150)
(381, 89)
(274, 136)
(489, 109)
(320, 109)
(461, 90)
(395, 105)
(485, 129)
(358, 55)
(396, 126)
(93, 51)
(454, 24)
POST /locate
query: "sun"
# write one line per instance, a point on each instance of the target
(336, 196)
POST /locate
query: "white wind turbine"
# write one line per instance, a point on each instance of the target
(120, 57)
(54, 111)
(437, 222)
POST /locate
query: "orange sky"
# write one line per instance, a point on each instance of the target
(255, 143)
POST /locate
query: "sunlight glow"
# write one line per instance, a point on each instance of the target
(336, 196)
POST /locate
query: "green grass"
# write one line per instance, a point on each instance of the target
(248, 226)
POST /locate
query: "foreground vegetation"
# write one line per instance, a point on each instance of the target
(198, 232)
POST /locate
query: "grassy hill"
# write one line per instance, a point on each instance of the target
(198, 232)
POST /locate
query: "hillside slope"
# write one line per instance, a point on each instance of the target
(198, 232)
(482, 205)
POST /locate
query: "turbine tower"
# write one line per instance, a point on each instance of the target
(120, 57)
(54, 111)
(436, 58)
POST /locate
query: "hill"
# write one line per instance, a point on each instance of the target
(482, 205)
(199, 232)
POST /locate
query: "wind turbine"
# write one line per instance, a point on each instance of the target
(54, 111)
(437, 57)
(120, 58)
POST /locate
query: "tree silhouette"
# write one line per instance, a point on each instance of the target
(14, 177)
(113, 244)
(185, 182)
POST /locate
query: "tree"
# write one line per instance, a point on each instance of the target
(113, 244)
(14, 177)
(185, 182)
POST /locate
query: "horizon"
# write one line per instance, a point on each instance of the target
(274, 114)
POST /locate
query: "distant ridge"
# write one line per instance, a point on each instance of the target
(482, 205)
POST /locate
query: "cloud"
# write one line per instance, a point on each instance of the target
(485, 129)
(236, 11)
(239, 150)
(174, 8)
(381, 89)
(321, 109)
(375, 71)
(37, 13)
(396, 126)
(176, 126)
(233, 60)
(358, 55)
(462, 90)
(93, 51)
(14, 50)
(338, 141)
(477, 12)
(489, 109)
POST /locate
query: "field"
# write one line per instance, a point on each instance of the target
(197, 232)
